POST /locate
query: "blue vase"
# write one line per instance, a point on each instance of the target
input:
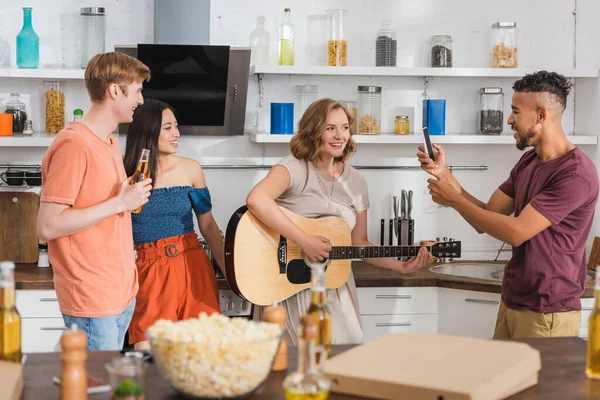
(28, 43)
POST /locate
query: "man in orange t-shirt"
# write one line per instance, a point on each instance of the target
(85, 206)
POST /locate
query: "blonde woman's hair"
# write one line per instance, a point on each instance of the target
(107, 68)
(306, 144)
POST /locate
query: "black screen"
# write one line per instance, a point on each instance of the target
(191, 79)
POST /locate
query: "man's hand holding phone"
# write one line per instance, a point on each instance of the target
(432, 157)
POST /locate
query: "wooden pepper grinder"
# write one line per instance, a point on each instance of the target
(74, 376)
(276, 315)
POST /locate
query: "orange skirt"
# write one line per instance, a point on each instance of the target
(177, 281)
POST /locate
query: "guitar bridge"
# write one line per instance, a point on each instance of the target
(282, 254)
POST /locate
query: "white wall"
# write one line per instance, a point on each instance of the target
(551, 35)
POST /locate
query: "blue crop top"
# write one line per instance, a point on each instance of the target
(168, 213)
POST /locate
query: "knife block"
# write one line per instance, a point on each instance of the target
(406, 234)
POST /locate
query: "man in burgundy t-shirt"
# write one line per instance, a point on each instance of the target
(552, 191)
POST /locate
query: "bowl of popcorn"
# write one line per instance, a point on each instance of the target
(214, 357)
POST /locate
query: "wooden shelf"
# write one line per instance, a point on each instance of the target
(416, 72)
(418, 139)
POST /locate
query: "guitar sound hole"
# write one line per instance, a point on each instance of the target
(298, 272)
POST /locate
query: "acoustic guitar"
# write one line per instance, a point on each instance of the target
(263, 267)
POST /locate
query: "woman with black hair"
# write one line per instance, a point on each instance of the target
(176, 277)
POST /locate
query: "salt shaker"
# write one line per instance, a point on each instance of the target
(43, 261)
(74, 376)
(276, 315)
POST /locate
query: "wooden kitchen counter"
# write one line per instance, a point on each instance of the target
(562, 375)
(29, 276)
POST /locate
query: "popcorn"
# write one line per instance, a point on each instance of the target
(214, 356)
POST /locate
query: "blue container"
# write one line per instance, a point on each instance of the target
(434, 116)
(282, 118)
(28, 43)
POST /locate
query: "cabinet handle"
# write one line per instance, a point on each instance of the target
(47, 299)
(381, 324)
(394, 296)
(587, 308)
(64, 328)
(469, 300)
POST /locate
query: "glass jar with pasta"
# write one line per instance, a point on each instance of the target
(54, 100)
(337, 46)
(504, 45)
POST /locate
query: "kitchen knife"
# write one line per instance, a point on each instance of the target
(410, 204)
(396, 206)
(403, 205)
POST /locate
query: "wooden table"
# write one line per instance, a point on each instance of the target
(562, 376)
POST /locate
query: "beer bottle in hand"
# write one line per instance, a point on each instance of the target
(10, 320)
(140, 173)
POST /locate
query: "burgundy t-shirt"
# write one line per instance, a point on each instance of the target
(547, 273)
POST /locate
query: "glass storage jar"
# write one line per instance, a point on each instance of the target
(17, 109)
(441, 51)
(305, 96)
(54, 100)
(385, 46)
(337, 46)
(369, 110)
(92, 33)
(490, 119)
(504, 45)
(402, 125)
(351, 107)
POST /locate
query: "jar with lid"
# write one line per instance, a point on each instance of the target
(351, 107)
(504, 45)
(337, 46)
(305, 96)
(441, 51)
(17, 109)
(490, 120)
(55, 107)
(369, 110)
(43, 261)
(402, 125)
(77, 114)
(385, 46)
(92, 33)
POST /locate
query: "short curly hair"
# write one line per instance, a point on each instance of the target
(545, 82)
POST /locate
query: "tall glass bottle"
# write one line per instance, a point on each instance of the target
(318, 308)
(10, 320)
(141, 172)
(259, 43)
(286, 39)
(592, 369)
(28, 43)
(308, 382)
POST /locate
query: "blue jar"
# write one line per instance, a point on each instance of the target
(282, 118)
(434, 116)
(28, 43)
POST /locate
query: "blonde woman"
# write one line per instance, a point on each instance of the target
(316, 181)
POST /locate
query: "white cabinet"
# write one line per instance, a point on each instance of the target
(397, 310)
(42, 323)
(467, 313)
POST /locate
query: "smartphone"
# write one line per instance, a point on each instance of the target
(427, 143)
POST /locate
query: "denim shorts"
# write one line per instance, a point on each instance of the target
(104, 333)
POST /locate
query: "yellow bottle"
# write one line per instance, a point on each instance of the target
(141, 172)
(10, 320)
(318, 310)
(286, 39)
(592, 369)
(308, 382)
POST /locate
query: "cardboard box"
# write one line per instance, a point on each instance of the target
(11, 380)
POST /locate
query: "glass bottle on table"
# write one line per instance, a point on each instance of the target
(10, 320)
(318, 309)
(141, 173)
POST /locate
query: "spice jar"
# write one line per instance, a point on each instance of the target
(385, 46)
(401, 125)
(504, 45)
(17, 109)
(337, 46)
(55, 107)
(441, 51)
(491, 105)
(351, 107)
(369, 110)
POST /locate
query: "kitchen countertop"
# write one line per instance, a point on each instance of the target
(29, 276)
(562, 375)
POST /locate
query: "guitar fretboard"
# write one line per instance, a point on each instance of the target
(350, 252)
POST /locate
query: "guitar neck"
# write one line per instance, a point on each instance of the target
(352, 252)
